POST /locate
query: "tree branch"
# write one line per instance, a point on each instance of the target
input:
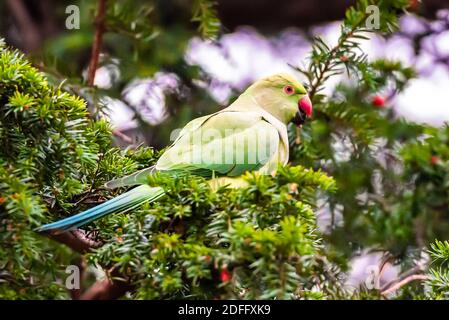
(96, 46)
(406, 277)
(115, 286)
(30, 35)
(403, 282)
(122, 136)
(76, 240)
(107, 289)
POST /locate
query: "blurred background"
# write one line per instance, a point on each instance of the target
(156, 71)
(147, 65)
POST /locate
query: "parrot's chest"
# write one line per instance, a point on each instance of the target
(280, 157)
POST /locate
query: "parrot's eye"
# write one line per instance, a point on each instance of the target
(289, 90)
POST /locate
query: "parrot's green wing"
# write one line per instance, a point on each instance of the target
(140, 176)
(225, 143)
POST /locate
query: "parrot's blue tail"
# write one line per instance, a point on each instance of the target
(124, 202)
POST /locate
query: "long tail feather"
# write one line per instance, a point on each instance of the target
(132, 179)
(124, 202)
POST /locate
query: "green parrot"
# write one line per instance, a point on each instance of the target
(248, 135)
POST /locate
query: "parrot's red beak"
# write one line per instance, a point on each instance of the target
(305, 111)
(306, 106)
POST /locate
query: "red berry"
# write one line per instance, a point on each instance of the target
(225, 275)
(378, 101)
(434, 159)
(413, 4)
(344, 58)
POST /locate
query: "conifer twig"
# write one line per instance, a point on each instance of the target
(315, 85)
(403, 282)
(404, 278)
(96, 46)
(122, 136)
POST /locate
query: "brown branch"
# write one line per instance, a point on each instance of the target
(122, 136)
(107, 289)
(403, 282)
(29, 31)
(404, 278)
(76, 240)
(111, 288)
(96, 46)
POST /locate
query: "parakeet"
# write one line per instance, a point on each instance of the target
(248, 135)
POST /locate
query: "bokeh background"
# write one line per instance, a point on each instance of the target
(257, 38)
(156, 72)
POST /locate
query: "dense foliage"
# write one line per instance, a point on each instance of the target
(254, 242)
(381, 180)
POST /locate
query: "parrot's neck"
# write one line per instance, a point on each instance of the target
(269, 104)
(247, 102)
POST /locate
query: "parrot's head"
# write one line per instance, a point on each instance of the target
(284, 97)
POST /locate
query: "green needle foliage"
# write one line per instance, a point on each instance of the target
(359, 143)
(50, 153)
(205, 15)
(437, 284)
(382, 180)
(391, 175)
(255, 242)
